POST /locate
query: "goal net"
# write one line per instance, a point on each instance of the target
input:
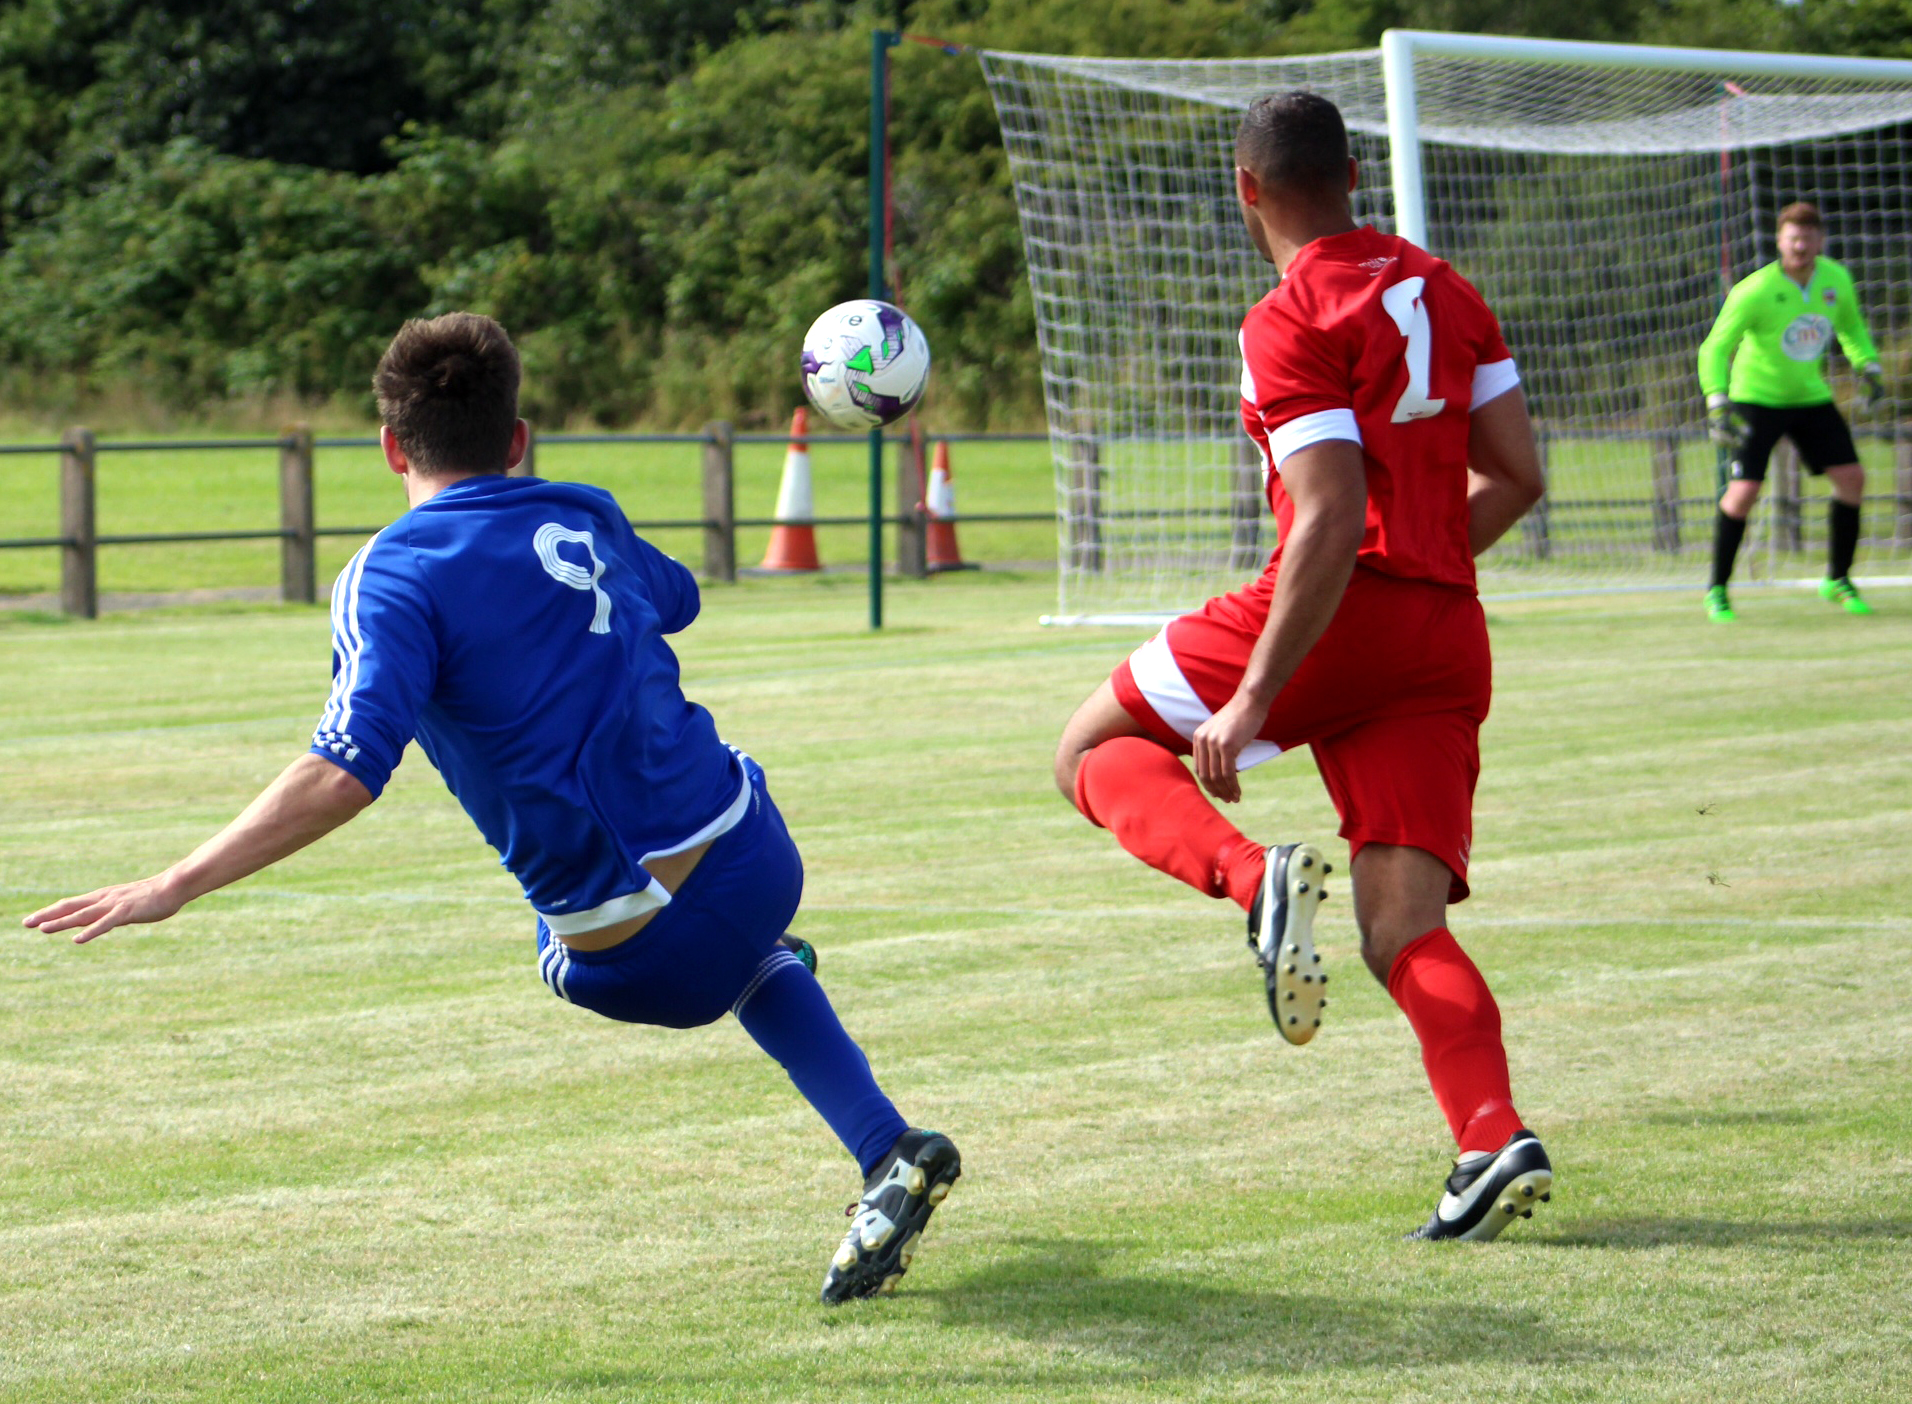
(1602, 197)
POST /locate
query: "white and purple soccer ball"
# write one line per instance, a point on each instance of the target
(865, 364)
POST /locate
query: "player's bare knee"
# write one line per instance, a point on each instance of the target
(1068, 760)
(1100, 718)
(1400, 894)
(1382, 942)
(1377, 946)
(1378, 964)
(1738, 499)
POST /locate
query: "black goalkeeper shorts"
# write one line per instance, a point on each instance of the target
(1819, 432)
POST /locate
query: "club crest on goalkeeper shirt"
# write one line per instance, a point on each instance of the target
(1394, 361)
(1806, 337)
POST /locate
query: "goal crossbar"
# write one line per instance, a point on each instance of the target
(1400, 48)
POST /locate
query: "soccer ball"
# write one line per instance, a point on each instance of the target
(865, 364)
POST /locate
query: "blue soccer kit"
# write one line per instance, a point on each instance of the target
(515, 628)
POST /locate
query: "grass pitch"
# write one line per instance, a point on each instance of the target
(325, 1137)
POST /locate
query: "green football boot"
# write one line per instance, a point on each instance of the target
(1845, 594)
(1718, 608)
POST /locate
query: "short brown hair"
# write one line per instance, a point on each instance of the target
(1295, 140)
(448, 390)
(1801, 212)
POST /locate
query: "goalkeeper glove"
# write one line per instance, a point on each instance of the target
(1875, 387)
(1724, 426)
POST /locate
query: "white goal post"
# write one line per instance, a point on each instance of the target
(1602, 196)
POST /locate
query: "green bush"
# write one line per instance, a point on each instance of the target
(235, 201)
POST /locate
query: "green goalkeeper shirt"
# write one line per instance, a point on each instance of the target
(1774, 334)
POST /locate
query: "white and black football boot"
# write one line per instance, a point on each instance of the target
(1281, 934)
(1490, 1189)
(887, 1223)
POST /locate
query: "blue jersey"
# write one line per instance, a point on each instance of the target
(516, 628)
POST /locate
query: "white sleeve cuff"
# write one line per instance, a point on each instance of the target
(1493, 380)
(1316, 428)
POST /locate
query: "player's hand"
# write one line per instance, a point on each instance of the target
(1724, 426)
(1219, 742)
(1875, 388)
(98, 912)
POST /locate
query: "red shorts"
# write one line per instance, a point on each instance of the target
(1390, 699)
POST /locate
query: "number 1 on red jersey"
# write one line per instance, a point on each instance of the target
(1404, 305)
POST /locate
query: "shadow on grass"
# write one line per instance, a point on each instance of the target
(1057, 1294)
(1706, 1117)
(1726, 1233)
(23, 615)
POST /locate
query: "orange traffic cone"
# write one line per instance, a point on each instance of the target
(940, 505)
(793, 540)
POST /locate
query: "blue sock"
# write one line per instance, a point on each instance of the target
(786, 1011)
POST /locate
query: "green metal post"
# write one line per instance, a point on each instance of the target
(881, 42)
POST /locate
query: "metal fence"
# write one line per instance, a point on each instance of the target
(79, 541)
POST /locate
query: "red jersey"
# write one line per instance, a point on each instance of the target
(1371, 339)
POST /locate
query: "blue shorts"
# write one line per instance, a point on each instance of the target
(701, 953)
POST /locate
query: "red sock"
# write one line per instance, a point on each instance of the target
(1454, 1015)
(1146, 797)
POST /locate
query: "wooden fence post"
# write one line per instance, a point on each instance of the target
(1902, 465)
(79, 565)
(1787, 518)
(1245, 503)
(528, 465)
(912, 483)
(1666, 493)
(298, 548)
(720, 503)
(1535, 529)
(1085, 500)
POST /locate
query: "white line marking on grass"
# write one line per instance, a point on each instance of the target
(1728, 922)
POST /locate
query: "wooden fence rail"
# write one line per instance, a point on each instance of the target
(298, 532)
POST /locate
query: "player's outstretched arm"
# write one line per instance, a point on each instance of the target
(310, 798)
(1504, 478)
(1328, 484)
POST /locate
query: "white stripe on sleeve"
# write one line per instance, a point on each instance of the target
(339, 589)
(1493, 380)
(347, 641)
(1298, 434)
(355, 639)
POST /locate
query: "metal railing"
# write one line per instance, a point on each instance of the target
(79, 540)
